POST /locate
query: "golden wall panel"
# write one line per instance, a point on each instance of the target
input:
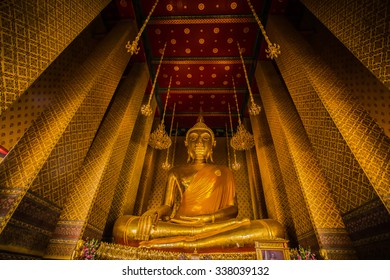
(60, 170)
(146, 180)
(366, 140)
(85, 188)
(27, 108)
(349, 185)
(33, 34)
(275, 194)
(257, 194)
(363, 27)
(134, 89)
(323, 212)
(289, 195)
(361, 83)
(125, 193)
(25, 160)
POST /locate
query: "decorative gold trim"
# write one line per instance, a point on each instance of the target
(211, 20)
(203, 61)
(200, 91)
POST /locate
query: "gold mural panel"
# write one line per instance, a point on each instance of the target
(30, 41)
(289, 193)
(272, 180)
(133, 88)
(21, 114)
(366, 140)
(25, 160)
(122, 200)
(362, 27)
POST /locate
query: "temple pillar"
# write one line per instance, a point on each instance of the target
(21, 166)
(86, 204)
(272, 180)
(34, 36)
(256, 189)
(325, 217)
(130, 173)
(363, 137)
(362, 26)
(134, 88)
(146, 181)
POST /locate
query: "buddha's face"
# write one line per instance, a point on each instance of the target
(199, 144)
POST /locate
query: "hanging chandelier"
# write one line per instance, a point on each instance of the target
(133, 47)
(159, 139)
(273, 49)
(146, 110)
(242, 139)
(166, 165)
(254, 109)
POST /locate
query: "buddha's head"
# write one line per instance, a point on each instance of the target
(200, 142)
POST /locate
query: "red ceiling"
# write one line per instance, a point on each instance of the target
(201, 54)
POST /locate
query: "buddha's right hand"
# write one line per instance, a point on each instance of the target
(148, 220)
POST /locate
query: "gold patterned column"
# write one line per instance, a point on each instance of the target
(272, 180)
(299, 226)
(145, 182)
(130, 173)
(34, 33)
(255, 187)
(325, 217)
(84, 191)
(363, 27)
(22, 164)
(365, 139)
(134, 88)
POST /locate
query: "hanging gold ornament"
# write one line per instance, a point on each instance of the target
(273, 49)
(146, 110)
(235, 166)
(159, 139)
(242, 139)
(133, 47)
(253, 109)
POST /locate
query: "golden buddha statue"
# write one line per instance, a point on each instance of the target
(206, 215)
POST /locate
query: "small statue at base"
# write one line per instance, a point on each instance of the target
(206, 215)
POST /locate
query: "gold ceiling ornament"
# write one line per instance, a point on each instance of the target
(133, 47)
(273, 49)
(235, 166)
(146, 110)
(254, 109)
(166, 165)
(159, 139)
(242, 139)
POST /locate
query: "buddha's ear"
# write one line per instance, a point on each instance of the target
(214, 143)
(185, 143)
